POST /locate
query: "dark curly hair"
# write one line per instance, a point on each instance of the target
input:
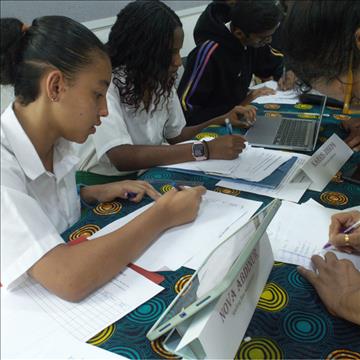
(140, 48)
(318, 38)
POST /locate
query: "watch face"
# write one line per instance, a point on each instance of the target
(199, 150)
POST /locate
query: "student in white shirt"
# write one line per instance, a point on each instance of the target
(60, 72)
(144, 110)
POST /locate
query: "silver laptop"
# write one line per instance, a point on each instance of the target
(286, 133)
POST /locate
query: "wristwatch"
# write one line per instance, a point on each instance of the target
(199, 151)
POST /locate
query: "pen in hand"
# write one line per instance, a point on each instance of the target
(352, 227)
(346, 231)
(228, 126)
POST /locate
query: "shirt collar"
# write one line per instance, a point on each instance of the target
(26, 154)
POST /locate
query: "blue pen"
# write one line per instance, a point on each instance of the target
(228, 126)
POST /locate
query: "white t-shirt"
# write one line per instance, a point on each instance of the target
(125, 126)
(36, 205)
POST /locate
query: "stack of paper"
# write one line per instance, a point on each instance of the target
(32, 317)
(299, 231)
(280, 97)
(254, 166)
(292, 187)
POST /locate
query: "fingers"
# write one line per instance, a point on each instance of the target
(340, 240)
(200, 190)
(309, 275)
(353, 140)
(341, 221)
(138, 189)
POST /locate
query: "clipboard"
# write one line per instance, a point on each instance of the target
(209, 282)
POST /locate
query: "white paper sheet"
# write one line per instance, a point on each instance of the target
(85, 319)
(281, 97)
(28, 332)
(299, 231)
(292, 187)
(253, 164)
(218, 212)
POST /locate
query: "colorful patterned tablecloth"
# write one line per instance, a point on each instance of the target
(289, 322)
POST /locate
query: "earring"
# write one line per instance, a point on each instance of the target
(53, 99)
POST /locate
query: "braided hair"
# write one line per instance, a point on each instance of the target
(140, 48)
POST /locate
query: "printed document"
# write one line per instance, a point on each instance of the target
(81, 320)
(217, 216)
(299, 231)
(253, 164)
(291, 188)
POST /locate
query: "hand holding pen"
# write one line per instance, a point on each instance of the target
(344, 231)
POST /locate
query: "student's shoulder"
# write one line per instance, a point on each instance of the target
(206, 49)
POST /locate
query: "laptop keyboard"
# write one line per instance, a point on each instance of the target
(292, 133)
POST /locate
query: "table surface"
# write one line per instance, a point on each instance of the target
(290, 320)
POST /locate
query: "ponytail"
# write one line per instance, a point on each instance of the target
(50, 41)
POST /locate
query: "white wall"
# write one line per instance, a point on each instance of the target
(188, 17)
(102, 27)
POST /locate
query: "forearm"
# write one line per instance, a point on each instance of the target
(350, 307)
(73, 272)
(137, 157)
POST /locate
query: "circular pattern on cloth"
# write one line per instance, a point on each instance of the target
(342, 117)
(227, 191)
(102, 336)
(206, 135)
(259, 348)
(337, 178)
(86, 230)
(298, 281)
(306, 116)
(182, 282)
(165, 188)
(272, 114)
(149, 312)
(334, 198)
(158, 348)
(278, 263)
(272, 106)
(107, 208)
(305, 327)
(273, 298)
(303, 106)
(126, 351)
(343, 354)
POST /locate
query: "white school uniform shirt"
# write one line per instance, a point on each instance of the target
(124, 125)
(36, 205)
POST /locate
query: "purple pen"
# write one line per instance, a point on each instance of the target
(131, 195)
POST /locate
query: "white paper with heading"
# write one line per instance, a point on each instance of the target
(299, 231)
(217, 215)
(326, 162)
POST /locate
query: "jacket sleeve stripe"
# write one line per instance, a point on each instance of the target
(202, 59)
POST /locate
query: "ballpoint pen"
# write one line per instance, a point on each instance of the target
(352, 227)
(228, 126)
(346, 231)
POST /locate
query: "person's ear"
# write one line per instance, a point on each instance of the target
(357, 38)
(55, 85)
